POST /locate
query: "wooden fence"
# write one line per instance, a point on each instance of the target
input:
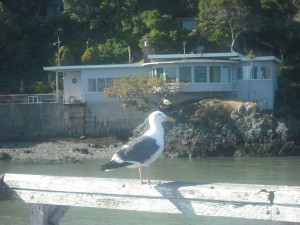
(51, 196)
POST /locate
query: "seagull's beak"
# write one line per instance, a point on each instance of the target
(170, 119)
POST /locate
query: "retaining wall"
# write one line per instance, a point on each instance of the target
(27, 121)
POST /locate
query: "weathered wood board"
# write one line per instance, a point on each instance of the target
(265, 202)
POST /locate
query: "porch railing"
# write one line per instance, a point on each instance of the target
(27, 98)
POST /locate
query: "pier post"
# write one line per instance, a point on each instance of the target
(2, 189)
(57, 214)
(39, 214)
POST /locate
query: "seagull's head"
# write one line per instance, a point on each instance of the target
(158, 117)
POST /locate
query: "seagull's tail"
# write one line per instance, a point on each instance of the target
(113, 165)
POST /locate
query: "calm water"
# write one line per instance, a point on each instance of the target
(277, 171)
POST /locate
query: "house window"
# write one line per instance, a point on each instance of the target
(92, 85)
(225, 74)
(98, 84)
(265, 72)
(200, 73)
(170, 74)
(185, 74)
(239, 73)
(254, 72)
(159, 72)
(215, 74)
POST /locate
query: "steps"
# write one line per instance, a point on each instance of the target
(279, 100)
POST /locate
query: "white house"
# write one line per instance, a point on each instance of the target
(225, 75)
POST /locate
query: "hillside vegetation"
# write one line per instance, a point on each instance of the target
(100, 31)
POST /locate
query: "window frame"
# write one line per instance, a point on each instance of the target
(96, 88)
(168, 78)
(212, 75)
(266, 73)
(92, 85)
(228, 75)
(182, 74)
(197, 76)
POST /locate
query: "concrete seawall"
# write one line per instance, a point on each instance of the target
(26, 121)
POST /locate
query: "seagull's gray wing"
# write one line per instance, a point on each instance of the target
(139, 150)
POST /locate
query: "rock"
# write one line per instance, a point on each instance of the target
(113, 146)
(5, 156)
(228, 128)
(282, 131)
(97, 145)
(92, 145)
(81, 150)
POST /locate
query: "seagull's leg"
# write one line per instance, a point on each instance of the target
(141, 174)
(148, 180)
(140, 171)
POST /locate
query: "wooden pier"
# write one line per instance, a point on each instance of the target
(51, 196)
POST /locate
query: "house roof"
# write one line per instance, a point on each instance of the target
(190, 61)
(225, 55)
(172, 58)
(231, 56)
(78, 67)
(264, 58)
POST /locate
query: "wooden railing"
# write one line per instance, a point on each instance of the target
(51, 196)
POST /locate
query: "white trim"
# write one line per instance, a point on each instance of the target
(217, 56)
(80, 67)
(198, 55)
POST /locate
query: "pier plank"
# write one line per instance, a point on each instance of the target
(265, 202)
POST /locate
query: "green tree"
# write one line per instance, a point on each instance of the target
(9, 35)
(27, 33)
(279, 24)
(174, 8)
(227, 20)
(101, 16)
(64, 56)
(159, 29)
(60, 84)
(113, 51)
(40, 87)
(90, 56)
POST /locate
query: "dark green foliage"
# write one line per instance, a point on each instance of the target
(28, 29)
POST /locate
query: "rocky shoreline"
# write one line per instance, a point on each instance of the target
(64, 149)
(214, 128)
(208, 128)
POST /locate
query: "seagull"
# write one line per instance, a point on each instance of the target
(144, 150)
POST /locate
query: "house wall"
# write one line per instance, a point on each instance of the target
(27, 121)
(256, 90)
(106, 73)
(207, 87)
(260, 90)
(72, 86)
